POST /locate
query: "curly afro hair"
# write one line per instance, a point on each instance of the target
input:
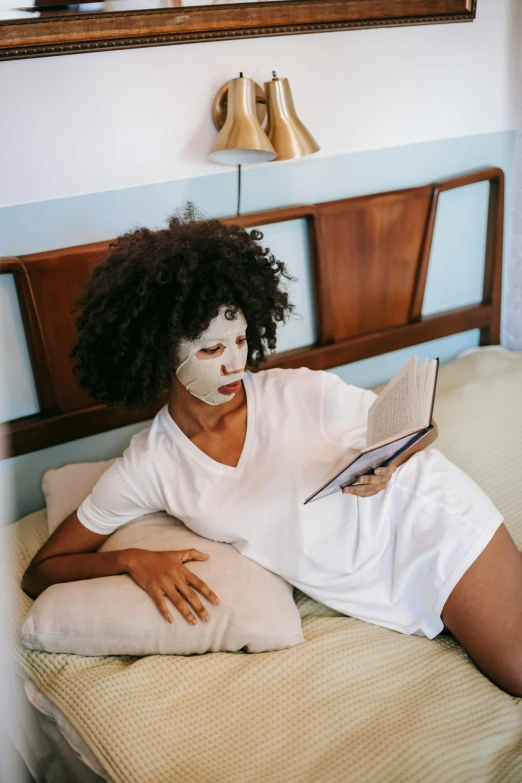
(155, 288)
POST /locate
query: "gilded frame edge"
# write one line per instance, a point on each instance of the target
(225, 22)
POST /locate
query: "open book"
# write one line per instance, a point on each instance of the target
(398, 418)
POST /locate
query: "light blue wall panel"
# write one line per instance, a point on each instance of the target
(65, 222)
(288, 242)
(456, 270)
(357, 174)
(17, 391)
(455, 275)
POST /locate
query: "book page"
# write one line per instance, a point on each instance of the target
(396, 409)
(431, 374)
(421, 383)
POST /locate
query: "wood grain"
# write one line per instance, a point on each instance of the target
(70, 34)
(370, 249)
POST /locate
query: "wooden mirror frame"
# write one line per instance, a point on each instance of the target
(71, 34)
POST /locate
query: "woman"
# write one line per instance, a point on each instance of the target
(417, 547)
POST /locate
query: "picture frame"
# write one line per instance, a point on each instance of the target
(68, 32)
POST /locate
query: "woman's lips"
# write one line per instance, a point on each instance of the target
(231, 388)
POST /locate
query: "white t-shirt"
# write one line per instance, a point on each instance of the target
(390, 559)
(300, 423)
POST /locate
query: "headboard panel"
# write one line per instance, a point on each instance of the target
(370, 259)
(47, 285)
(370, 250)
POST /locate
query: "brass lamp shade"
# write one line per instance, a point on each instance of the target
(284, 128)
(241, 139)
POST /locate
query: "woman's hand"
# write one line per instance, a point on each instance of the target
(370, 485)
(163, 574)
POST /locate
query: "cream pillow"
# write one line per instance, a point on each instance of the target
(65, 488)
(113, 616)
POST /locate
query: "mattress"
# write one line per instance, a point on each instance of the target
(356, 702)
(52, 749)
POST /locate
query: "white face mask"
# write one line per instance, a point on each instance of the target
(202, 377)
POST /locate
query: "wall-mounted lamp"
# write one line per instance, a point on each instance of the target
(239, 110)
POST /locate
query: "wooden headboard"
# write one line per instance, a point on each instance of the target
(369, 258)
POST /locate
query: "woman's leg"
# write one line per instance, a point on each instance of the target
(484, 612)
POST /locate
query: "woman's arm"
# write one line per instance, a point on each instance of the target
(69, 555)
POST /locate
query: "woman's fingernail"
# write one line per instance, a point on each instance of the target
(379, 471)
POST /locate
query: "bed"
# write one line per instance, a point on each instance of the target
(355, 702)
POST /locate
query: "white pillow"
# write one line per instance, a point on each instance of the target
(114, 616)
(65, 488)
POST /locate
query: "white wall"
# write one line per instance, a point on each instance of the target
(93, 122)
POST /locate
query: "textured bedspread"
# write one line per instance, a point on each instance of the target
(356, 702)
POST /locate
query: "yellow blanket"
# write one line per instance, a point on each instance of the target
(356, 702)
